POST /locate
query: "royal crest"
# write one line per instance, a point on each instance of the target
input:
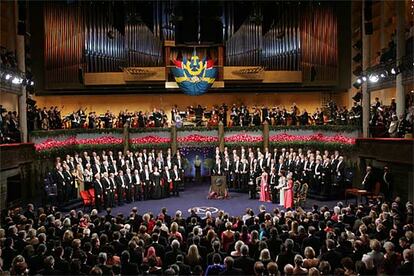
(194, 76)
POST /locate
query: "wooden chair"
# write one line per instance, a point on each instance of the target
(303, 194)
(296, 192)
(86, 199)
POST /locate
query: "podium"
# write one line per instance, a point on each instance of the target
(218, 185)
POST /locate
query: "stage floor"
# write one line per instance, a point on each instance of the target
(195, 196)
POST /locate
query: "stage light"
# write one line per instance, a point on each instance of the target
(384, 74)
(373, 78)
(359, 81)
(8, 76)
(393, 71)
(364, 78)
(16, 80)
(32, 83)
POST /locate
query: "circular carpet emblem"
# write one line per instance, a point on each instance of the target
(203, 210)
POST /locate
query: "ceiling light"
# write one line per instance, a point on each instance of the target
(373, 78)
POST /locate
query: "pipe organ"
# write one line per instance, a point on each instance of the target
(87, 37)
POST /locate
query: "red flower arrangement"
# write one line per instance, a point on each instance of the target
(319, 137)
(197, 138)
(243, 138)
(70, 141)
(150, 139)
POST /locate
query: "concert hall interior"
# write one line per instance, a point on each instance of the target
(206, 137)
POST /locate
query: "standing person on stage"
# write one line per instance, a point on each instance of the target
(99, 190)
(107, 190)
(120, 185)
(281, 187)
(273, 181)
(87, 176)
(317, 176)
(146, 181)
(176, 181)
(197, 166)
(218, 167)
(339, 175)
(112, 192)
(180, 167)
(236, 173)
(368, 181)
(156, 179)
(128, 186)
(252, 179)
(227, 169)
(61, 186)
(244, 174)
(387, 187)
(167, 180)
(288, 193)
(326, 176)
(136, 180)
(264, 187)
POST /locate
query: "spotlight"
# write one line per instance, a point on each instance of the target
(32, 83)
(15, 80)
(364, 78)
(373, 78)
(384, 74)
(394, 71)
(359, 81)
(8, 76)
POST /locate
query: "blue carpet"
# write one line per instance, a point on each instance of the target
(196, 196)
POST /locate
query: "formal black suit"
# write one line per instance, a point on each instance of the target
(313, 242)
(387, 186)
(368, 181)
(333, 257)
(232, 271)
(99, 191)
(246, 264)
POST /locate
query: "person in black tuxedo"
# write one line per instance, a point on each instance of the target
(273, 182)
(99, 191)
(368, 181)
(229, 269)
(167, 180)
(317, 176)
(179, 162)
(244, 174)
(236, 173)
(176, 181)
(339, 176)
(227, 169)
(146, 182)
(244, 262)
(387, 185)
(137, 184)
(332, 256)
(107, 190)
(128, 185)
(120, 186)
(127, 267)
(61, 186)
(218, 167)
(111, 193)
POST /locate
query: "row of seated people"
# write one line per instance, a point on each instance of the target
(324, 172)
(372, 239)
(132, 176)
(237, 115)
(384, 121)
(9, 126)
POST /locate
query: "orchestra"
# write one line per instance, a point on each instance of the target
(196, 116)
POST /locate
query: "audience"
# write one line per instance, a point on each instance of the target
(45, 241)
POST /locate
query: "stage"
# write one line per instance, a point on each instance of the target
(195, 196)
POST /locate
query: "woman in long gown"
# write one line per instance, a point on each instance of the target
(156, 182)
(289, 192)
(280, 187)
(79, 179)
(264, 187)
